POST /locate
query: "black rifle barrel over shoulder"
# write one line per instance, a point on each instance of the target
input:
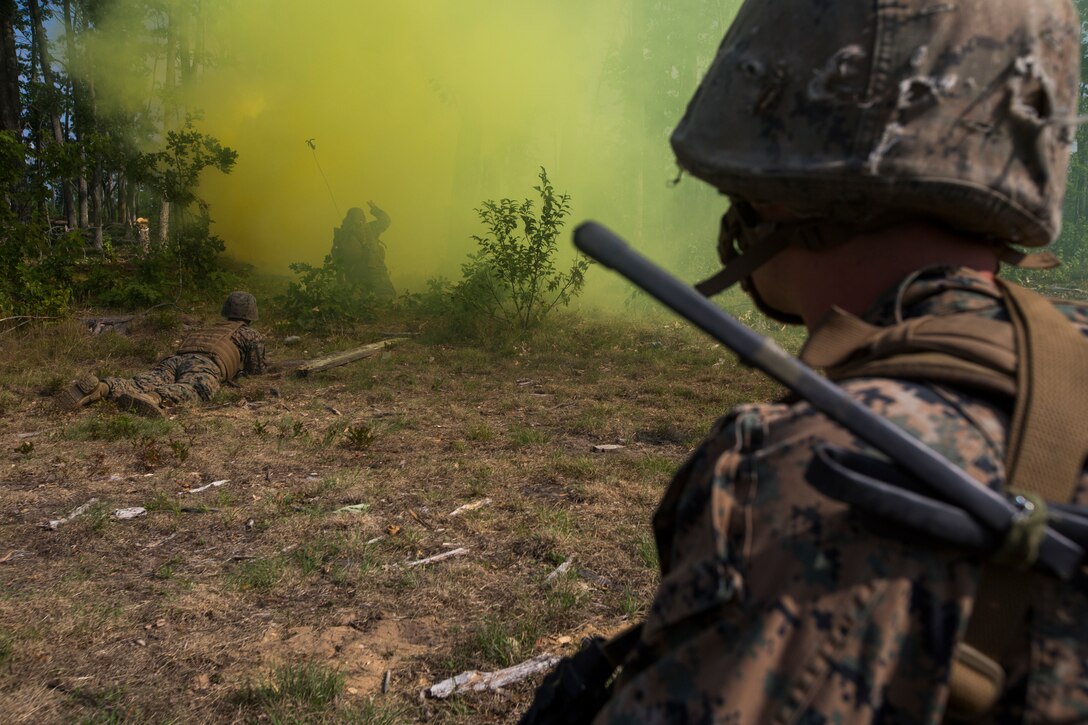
(946, 480)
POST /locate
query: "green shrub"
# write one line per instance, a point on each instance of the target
(324, 298)
(119, 426)
(513, 278)
(294, 689)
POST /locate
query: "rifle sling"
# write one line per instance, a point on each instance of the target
(1039, 360)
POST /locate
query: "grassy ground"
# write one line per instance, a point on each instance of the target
(260, 599)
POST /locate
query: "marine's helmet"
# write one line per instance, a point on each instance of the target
(856, 115)
(240, 306)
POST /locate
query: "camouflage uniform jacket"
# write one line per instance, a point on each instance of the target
(777, 606)
(251, 344)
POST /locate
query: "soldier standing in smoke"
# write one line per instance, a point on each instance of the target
(204, 361)
(359, 253)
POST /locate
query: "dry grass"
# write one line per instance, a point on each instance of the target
(257, 600)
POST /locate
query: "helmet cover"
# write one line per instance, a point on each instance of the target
(240, 306)
(961, 112)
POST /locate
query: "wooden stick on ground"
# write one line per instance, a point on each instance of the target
(437, 558)
(478, 681)
(343, 358)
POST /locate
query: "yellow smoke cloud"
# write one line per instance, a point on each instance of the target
(427, 107)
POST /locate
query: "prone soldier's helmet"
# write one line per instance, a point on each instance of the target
(857, 115)
(240, 306)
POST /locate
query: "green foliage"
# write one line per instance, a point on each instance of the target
(513, 278)
(120, 426)
(503, 642)
(646, 549)
(358, 437)
(324, 298)
(190, 260)
(36, 265)
(44, 271)
(175, 171)
(164, 503)
(259, 575)
(294, 690)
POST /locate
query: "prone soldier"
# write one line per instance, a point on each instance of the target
(203, 362)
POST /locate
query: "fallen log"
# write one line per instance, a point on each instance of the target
(343, 358)
(476, 681)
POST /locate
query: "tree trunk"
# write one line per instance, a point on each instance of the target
(164, 223)
(10, 105)
(84, 201)
(76, 118)
(96, 184)
(169, 115)
(41, 45)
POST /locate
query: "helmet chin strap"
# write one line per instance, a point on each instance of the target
(747, 241)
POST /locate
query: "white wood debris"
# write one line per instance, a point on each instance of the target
(470, 507)
(476, 681)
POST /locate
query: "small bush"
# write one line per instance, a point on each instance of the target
(325, 298)
(149, 453)
(259, 575)
(358, 437)
(292, 690)
(119, 426)
(513, 277)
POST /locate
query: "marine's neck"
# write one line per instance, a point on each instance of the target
(855, 274)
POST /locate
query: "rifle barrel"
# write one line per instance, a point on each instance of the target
(929, 466)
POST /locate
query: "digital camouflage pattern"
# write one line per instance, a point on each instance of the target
(961, 111)
(776, 605)
(190, 377)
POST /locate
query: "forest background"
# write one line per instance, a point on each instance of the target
(251, 131)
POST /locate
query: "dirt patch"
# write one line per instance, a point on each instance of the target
(361, 651)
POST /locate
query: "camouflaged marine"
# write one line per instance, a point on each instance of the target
(358, 251)
(881, 159)
(203, 362)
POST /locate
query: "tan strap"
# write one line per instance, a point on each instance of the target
(963, 350)
(932, 366)
(1045, 456)
(842, 338)
(974, 683)
(1048, 438)
(1029, 260)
